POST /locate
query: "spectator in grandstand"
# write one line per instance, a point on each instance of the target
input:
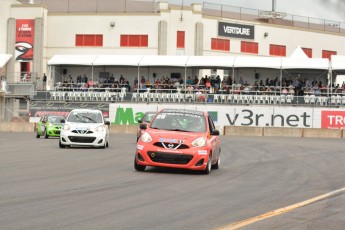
(284, 91)
(189, 81)
(200, 96)
(44, 81)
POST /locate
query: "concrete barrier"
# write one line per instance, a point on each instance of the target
(243, 131)
(123, 128)
(17, 127)
(323, 133)
(282, 132)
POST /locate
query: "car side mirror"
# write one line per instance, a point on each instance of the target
(107, 122)
(140, 121)
(62, 121)
(215, 132)
(143, 126)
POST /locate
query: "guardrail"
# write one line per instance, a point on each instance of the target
(240, 13)
(173, 96)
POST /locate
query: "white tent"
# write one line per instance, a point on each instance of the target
(72, 60)
(158, 60)
(257, 62)
(117, 60)
(298, 53)
(4, 58)
(210, 61)
(305, 63)
(338, 62)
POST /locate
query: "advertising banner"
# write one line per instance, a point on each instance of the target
(333, 119)
(254, 116)
(38, 109)
(24, 39)
(235, 30)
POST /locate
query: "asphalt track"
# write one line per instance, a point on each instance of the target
(44, 187)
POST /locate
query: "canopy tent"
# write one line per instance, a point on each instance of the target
(338, 62)
(159, 60)
(4, 58)
(72, 60)
(305, 63)
(210, 62)
(117, 60)
(298, 53)
(257, 62)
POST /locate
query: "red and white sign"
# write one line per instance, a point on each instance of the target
(24, 39)
(333, 119)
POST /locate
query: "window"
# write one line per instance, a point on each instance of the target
(180, 39)
(89, 40)
(220, 44)
(328, 54)
(308, 52)
(249, 47)
(134, 41)
(278, 50)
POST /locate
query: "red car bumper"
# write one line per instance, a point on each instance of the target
(194, 158)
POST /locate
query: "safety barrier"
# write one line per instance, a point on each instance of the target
(244, 131)
(283, 132)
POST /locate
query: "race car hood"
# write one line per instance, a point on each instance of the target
(174, 136)
(84, 126)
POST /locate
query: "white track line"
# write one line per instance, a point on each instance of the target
(276, 212)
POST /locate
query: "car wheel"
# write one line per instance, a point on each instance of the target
(61, 145)
(137, 166)
(46, 135)
(216, 165)
(37, 135)
(107, 144)
(208, 168)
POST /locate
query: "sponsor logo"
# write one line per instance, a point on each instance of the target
(202, 152)
(333, 119)
(235, 30)
(140, 147)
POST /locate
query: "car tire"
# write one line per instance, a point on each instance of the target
(216, 165)
(208, 168)
(46, 135)
(37, 135)
(107, 145)
(61, 145)
(138, 167)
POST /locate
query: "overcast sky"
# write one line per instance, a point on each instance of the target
(333, 10)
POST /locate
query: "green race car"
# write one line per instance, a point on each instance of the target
(49, 126)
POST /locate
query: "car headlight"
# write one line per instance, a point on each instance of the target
(100, 128)
(66, 127)
(145, 137)
(201, 141)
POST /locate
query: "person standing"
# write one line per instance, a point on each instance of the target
(44, 79)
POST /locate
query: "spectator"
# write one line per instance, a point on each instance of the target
(44, 79)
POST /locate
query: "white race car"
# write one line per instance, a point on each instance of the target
(85, 127)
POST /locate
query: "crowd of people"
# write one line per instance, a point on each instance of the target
(206, 84)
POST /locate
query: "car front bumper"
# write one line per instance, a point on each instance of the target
(77, 139)
(195, 158)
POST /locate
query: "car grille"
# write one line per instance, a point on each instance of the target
(170, 158)
(77, 139)
(168, 145)
(82, 131)
(56, 131)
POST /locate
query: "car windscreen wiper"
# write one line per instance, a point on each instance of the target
(180, 130)
(90, 119)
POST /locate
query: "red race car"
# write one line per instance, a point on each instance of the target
(177, 138)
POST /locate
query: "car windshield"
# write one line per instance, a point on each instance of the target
(85, 117)
(55, 119)
(179, 121)
(148, 117)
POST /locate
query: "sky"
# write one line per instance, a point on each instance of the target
(333, 10)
